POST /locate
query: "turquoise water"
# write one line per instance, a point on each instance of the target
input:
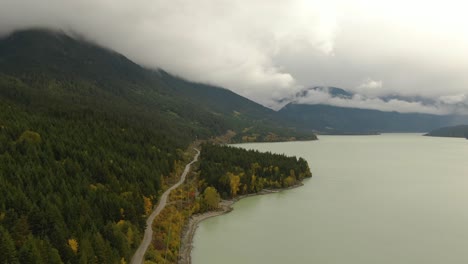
(393, 198)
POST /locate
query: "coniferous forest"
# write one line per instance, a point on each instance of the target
(235, 171)
(88, 138)
(73, 182)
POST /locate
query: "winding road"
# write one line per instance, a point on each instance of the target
(138, 257)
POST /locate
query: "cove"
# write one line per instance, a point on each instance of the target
(393, 198)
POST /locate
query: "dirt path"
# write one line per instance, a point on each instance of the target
(138, 257)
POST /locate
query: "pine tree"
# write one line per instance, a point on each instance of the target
(7, 248)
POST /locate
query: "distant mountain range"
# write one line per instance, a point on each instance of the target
(64, 65)
(454, 131)
(329, 119)
(332, 91)
(336, 92)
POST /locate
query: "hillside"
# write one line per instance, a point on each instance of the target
(65, 68)
(460, 131)
(88, 139)
(328, 119)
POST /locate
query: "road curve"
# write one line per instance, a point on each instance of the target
(138, 257)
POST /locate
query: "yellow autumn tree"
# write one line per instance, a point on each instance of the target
(148, 205)
(244, 189)
(211, 197)
(30, 137)
(234, 182)
(130, 236)
(73, 244)
(253, 183)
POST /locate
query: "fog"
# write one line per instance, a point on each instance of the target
(270, 50)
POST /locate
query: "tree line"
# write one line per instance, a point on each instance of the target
(73, 178)
(234, 171)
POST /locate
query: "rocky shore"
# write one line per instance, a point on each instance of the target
(225, 206)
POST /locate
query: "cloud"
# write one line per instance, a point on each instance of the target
(453, 99)
(364, 102)
(370, 87)
(221, 42)
(269, 50)
(444, 105)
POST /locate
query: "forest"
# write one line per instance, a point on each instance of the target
(89, 139)
(460, 131)
(77, 163)
(73, 184)
(234, 171)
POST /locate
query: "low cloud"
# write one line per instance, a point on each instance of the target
(370, 87)
(454, 99)
(442, 106)
(270, 50)
(223, 42)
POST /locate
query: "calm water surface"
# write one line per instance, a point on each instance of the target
(394, 198)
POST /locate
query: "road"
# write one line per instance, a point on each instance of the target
(138, 257)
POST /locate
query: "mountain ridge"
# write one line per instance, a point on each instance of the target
(307, 112)
(459, 131)
(327, 119)
(70, 64)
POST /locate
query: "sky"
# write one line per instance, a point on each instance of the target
(270, 50)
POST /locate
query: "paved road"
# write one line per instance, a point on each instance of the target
(140, 253)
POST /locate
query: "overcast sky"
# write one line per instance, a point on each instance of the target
(270, 50)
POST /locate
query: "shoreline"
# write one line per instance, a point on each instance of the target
(139, 255)
(225, 206)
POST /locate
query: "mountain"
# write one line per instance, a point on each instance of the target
(329, 119)
(333, 91)
(60, 66)
(250, 121)
(460, 131)
(88, 139)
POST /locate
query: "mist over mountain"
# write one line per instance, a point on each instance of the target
(267, 51)
(73, 68)
(388, 102)
(333, 110)
(322, 109)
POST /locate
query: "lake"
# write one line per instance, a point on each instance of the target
(392, 198)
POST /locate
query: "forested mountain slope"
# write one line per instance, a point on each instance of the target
(86, 139)
(62, 66)
(453, 131)
(329, 119)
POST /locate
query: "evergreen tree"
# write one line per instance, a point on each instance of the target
(7, 248)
